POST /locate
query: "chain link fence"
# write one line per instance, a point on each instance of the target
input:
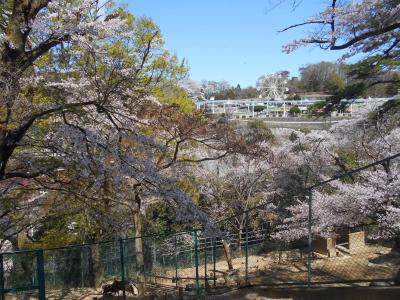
(357, 252)
(245, 251)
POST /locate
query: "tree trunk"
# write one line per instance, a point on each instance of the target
(239, 242)
(139, 248)
(227, 253)
(97, 265)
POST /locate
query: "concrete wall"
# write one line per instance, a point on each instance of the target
(325, 246)
(356, 241)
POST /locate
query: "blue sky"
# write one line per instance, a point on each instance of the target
(233, 40)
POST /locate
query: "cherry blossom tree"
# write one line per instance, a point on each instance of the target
(367, 28)
(77, 76)
(82, 118)
(229, 187)
(359, 27)
(193, 88)
(370, 196)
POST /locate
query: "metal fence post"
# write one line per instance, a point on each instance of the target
(214, 261)
(122, 261)
(205, 262)
(154, 264)
(1, 278)
(309, 238)
(196, 258)
(176, 261)
(82, 267)
(247, 247)
(40, 274)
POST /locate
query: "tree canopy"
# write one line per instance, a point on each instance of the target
(369, 28)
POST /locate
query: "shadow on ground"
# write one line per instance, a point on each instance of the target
(326, 293)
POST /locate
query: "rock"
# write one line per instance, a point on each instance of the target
(370, 264)
(380, 284)
(302, 268)
(253, 269)
(232, 272)
(220, 281)
(288, 268)
(260, 273)
(190, 287)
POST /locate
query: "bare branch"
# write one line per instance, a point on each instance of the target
(302, 24)
(365, 36)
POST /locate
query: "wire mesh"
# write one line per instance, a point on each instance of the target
(243, 250)
(357, 248)
(275, 262)
(22, 295)
(354, 255)
(20, 275)
(79, 268)
(130, 259)
(185, 262)
(250, 257)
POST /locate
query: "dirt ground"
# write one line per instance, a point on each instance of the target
(343, 293)
(367, 263)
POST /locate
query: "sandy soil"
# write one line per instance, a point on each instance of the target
(368, 263)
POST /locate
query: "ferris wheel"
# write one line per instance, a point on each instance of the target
(272, 86)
